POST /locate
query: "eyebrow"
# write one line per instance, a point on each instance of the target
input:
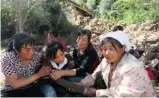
(60, 54)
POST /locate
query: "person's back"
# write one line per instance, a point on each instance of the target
(54, 36)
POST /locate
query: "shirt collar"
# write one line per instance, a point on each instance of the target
(61, 65)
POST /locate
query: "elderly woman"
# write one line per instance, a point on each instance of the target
(20, 65)
(123, 74)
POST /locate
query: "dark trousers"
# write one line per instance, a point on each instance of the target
(32, 91)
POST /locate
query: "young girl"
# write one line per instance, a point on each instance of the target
(58, 61)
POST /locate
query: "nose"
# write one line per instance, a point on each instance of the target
(31, 51)
(107, 52)
(61, 58)
(79, 41)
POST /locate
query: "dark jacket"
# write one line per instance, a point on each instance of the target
(87, 62)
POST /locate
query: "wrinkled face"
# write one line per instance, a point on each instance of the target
(111, 54)
(82, 41)
(27, 52)
(59, 57)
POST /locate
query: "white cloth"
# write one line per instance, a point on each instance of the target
(61, 65)
(128, 80)
(122, 37)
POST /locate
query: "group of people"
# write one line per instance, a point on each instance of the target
(117, 74)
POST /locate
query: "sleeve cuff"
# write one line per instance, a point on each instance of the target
(101, 93)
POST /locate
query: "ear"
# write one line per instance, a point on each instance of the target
(123, 49)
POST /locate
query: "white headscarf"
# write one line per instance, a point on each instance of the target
(122, 37)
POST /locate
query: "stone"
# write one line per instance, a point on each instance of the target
(148, 55)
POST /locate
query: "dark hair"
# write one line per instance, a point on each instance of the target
(112, 41)
(52, 48)
(117, 27)
(18, 40)
(54, 32)
(85, 32)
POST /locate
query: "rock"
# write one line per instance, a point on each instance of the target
(148, 55)
(94, 35)
(130, 28)
(154, 63)
(157, 56)
(143, 60)
(157, 47)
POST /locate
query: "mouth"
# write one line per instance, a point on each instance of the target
(108, 59)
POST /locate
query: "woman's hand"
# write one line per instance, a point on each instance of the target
(73, 90)
(56, 74)
(91, 92)
(80, 84)
(44, 71)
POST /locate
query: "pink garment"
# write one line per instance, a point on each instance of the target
(50, 38)
(129, 79)
(150, 73)
(63, 44)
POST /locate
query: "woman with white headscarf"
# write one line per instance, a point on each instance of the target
(123, 74)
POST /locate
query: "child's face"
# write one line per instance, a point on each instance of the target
(59, 56)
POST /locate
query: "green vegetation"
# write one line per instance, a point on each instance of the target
(125, 11)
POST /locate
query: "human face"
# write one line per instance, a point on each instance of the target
(111, 54)
(82, 41)
(27, 52)
(59, 57)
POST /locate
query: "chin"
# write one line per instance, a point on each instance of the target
(110, 61)
(29, 58)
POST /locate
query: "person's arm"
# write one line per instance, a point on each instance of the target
(17, 82)
(87, 63)
(90, 79)
(11, 76)
(134, 84)
(57, 74)
(87, 81)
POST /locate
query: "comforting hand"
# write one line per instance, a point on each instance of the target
(80, 84)
(73, 90)
(44, 71)
(56, 74)
(91, 92)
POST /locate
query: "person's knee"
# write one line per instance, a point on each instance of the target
(48, 91)
(75, 79)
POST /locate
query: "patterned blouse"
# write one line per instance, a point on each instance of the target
(129, 79)
(11, 64)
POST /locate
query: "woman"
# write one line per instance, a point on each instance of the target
(123, 74)
(55, 54)
(85, 58)
(58, 61)
(20, 66)
(54, 36)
